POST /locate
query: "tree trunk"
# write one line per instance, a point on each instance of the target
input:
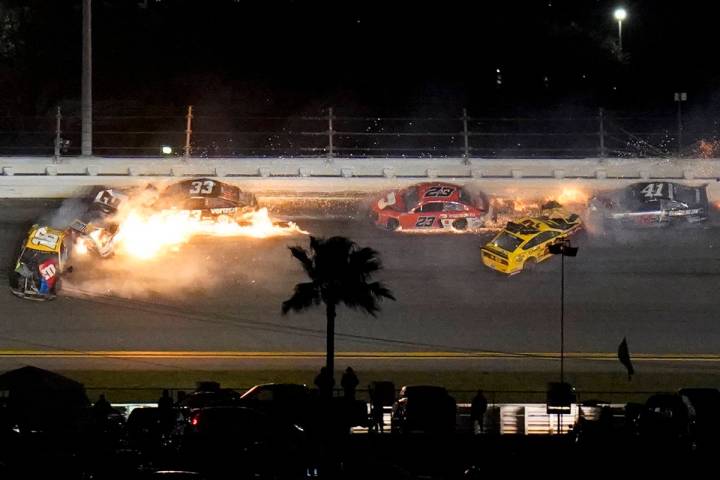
(330, 351)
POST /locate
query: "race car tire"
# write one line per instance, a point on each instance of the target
(392, 224)
(530, 264)
(460, 224)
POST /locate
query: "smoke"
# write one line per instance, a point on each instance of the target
(68, 211)
(177, 274)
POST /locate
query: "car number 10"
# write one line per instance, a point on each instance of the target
(203, 188)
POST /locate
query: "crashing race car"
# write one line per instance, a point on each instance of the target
(96, 228)
(204, 199)
(42, 259)
(651, 204)
(525, 242)
(432, 205)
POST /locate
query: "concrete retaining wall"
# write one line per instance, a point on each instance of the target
(42, 177)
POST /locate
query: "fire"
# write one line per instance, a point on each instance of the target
(80, 247)
(146, 236)
(572, 195)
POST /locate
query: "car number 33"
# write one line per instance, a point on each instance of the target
(201, 187)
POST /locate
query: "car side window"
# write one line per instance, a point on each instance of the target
(432, 207)
(539, 238)
(672, 205)
(454, 207)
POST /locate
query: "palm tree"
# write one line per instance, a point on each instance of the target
(339, 271)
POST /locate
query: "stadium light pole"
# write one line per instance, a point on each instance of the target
(564, 249)
(620, 15)
(86, 85)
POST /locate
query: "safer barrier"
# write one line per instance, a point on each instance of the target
(29, 177)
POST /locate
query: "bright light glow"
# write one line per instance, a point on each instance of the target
(80, 247)
(620, 14)
(145, 237)
(166, 150)
(572, 195)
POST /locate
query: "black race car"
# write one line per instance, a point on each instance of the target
(206, 199)
(651, 204)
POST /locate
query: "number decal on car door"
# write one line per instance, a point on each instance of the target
(652, 190)
(202, 188)
(425, 222)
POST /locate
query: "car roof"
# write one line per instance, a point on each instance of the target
(527, 227)
(422, 189)
(284, 387)
(423, 389)
(42, 248)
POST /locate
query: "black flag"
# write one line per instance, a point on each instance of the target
(624, 356)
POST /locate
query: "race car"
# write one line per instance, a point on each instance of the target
(432, 205)
(43, 257)
(205, 199)
(97, 227)
(526, 242)
(650, 204)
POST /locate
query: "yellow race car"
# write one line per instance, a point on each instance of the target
(43, 257)
(525, 242)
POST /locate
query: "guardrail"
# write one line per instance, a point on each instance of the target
(32, 177)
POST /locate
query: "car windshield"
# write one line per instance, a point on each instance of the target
(32, 257)
(411, 199)
(507, 242)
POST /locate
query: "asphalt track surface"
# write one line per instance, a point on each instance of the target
(216, 304)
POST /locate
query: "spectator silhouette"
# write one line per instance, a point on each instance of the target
(102, 407)
(165, 402)
(325, 383)
(349, 383)
(478, 408)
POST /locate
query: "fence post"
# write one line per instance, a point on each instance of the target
(466, 154)
(330, 152)
(58, 138)
(188, 133)
(601, 121)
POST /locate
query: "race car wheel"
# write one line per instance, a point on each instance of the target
(392, 224)
(530, 264)
(460, 224)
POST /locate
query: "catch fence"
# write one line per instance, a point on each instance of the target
(202, 133)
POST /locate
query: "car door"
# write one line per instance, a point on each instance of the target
(538, 246)
(424, 216)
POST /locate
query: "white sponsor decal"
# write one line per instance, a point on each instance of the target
(387, 201)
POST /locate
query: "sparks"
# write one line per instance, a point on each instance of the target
(145, 237)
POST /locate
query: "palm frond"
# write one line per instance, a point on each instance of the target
(364, 262)
(366, 296)
(305, 295)
(302, 255)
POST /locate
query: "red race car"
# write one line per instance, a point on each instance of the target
(431, 205)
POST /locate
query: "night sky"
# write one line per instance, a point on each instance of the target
(386, 57)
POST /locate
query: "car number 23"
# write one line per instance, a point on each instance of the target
(425, 221)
